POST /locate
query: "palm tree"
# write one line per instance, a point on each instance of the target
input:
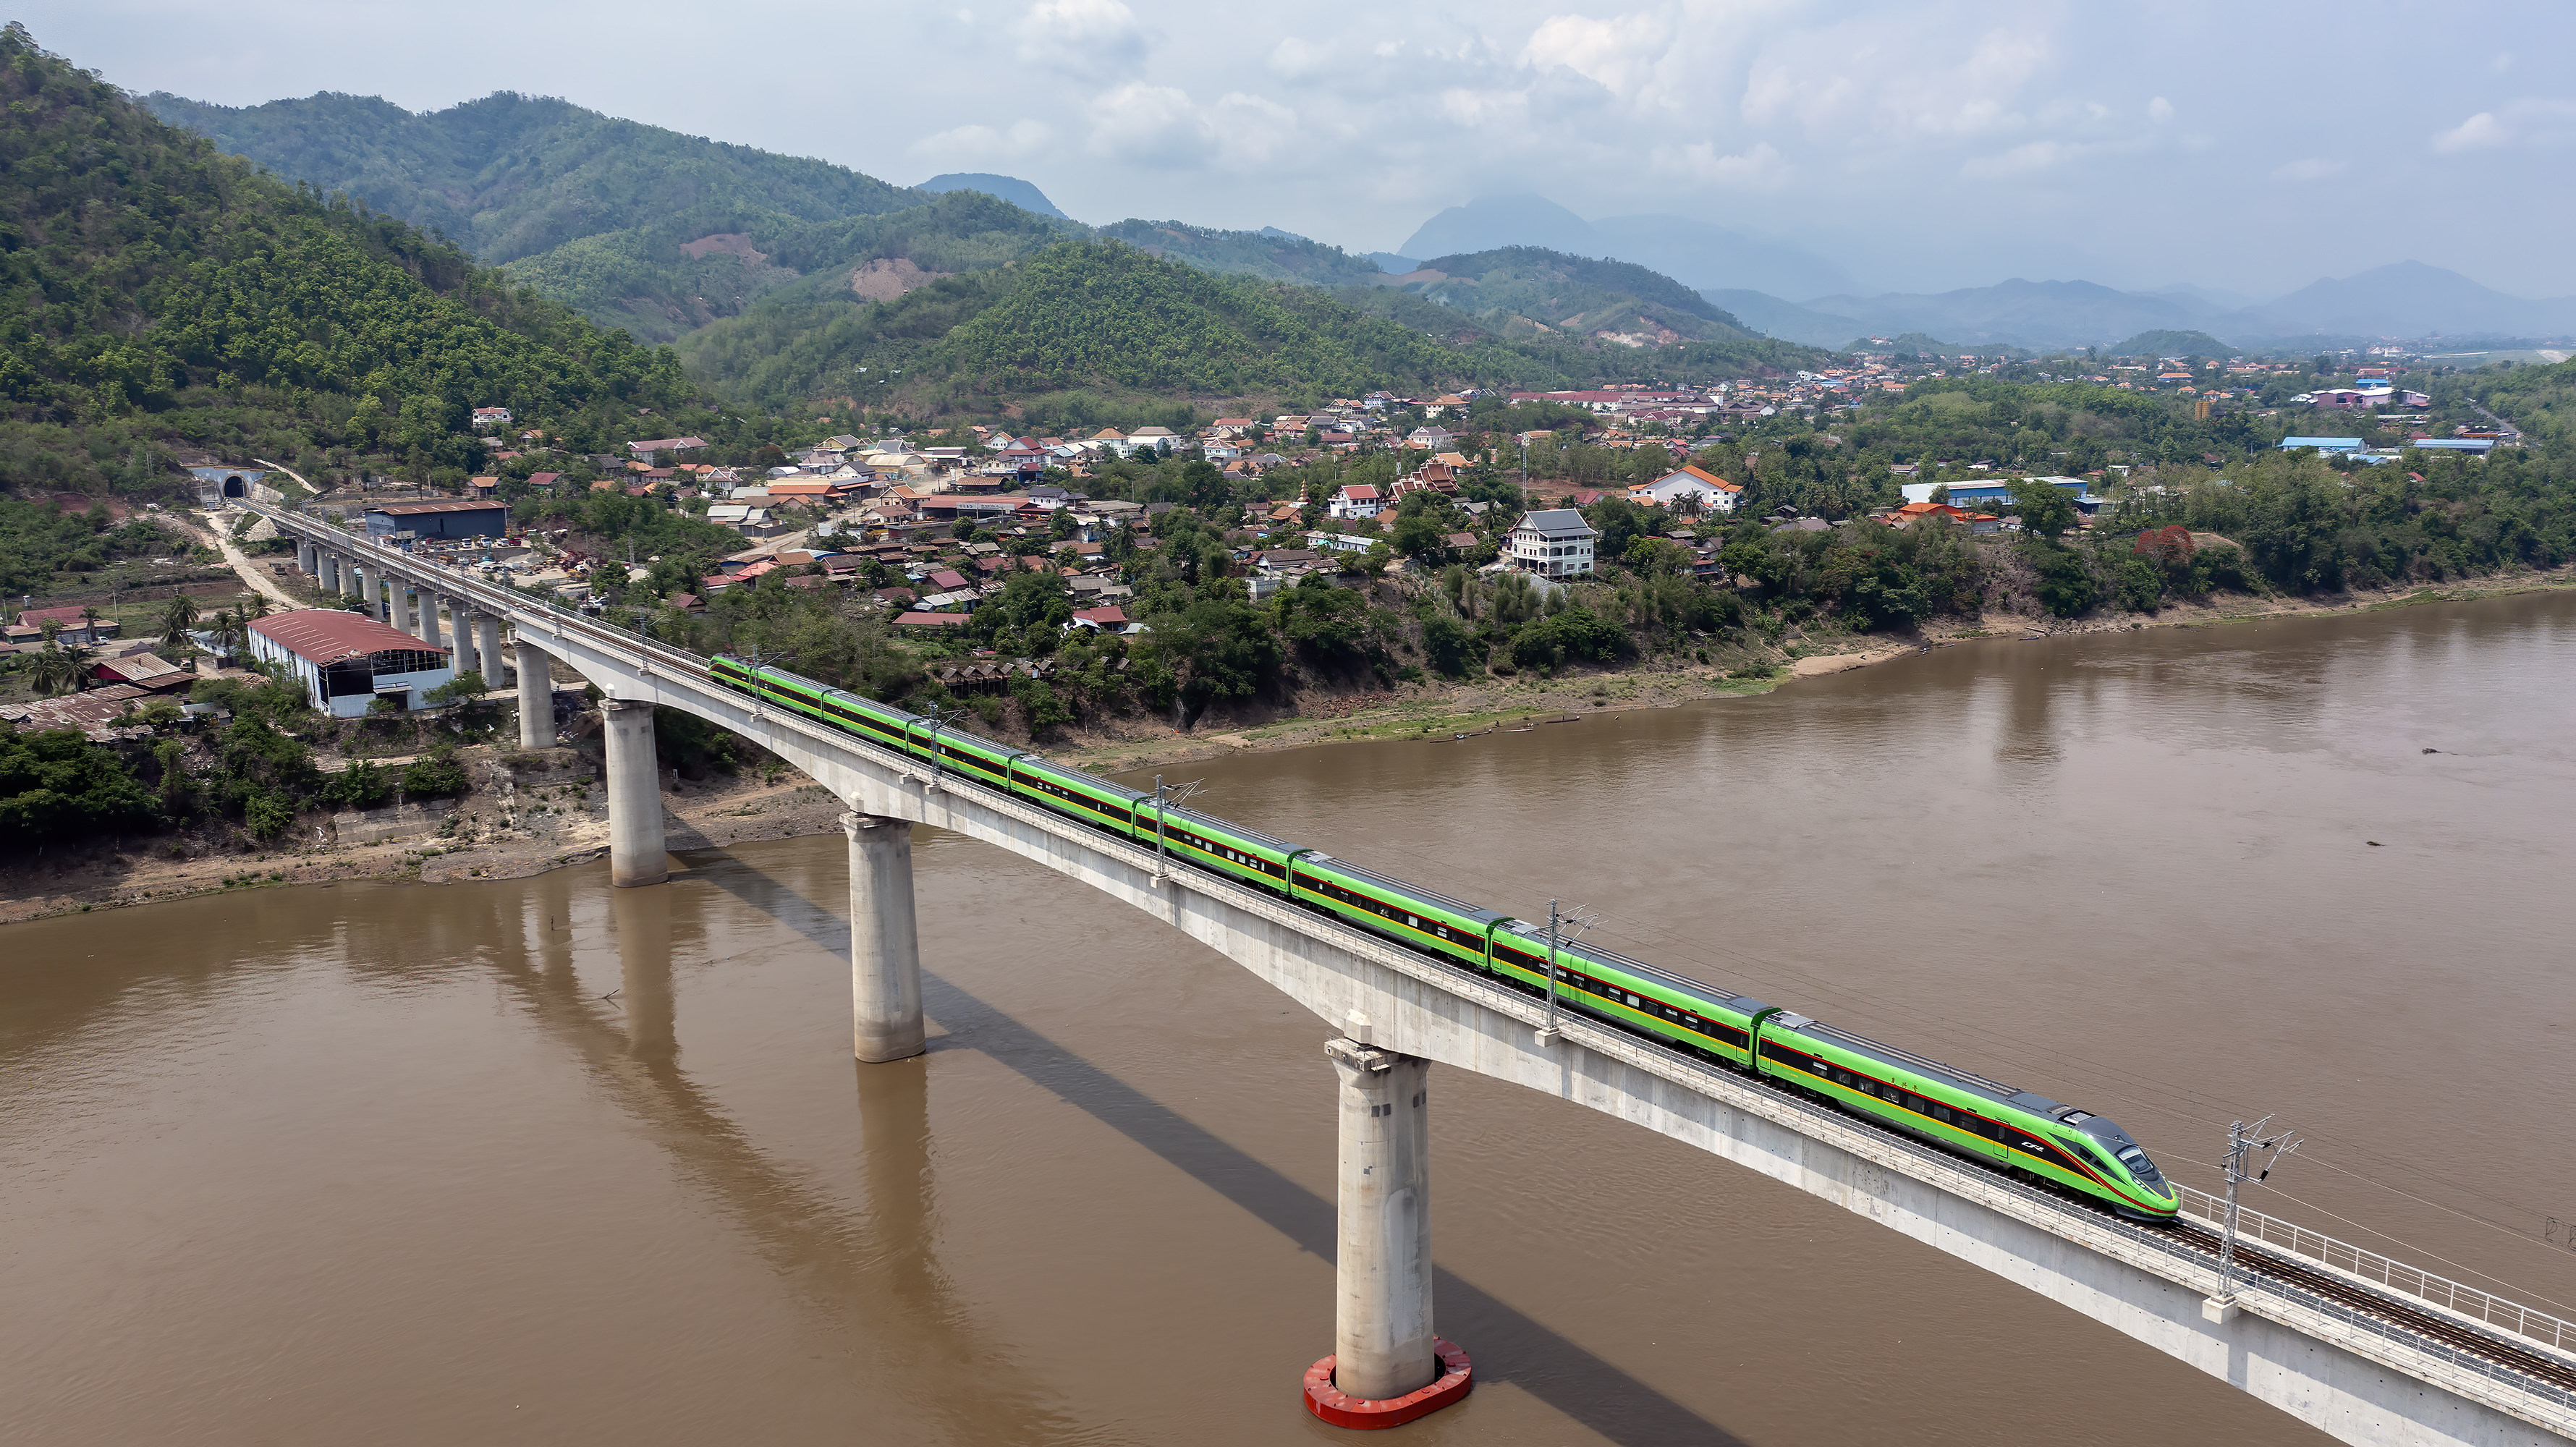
(254, 606)
(58, 669)
(232, 633)
(178, 617)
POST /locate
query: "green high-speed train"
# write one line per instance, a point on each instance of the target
(2011, 1129)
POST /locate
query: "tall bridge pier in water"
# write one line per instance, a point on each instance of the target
(2368, 1350)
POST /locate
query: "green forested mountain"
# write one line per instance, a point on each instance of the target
(664, 280)
(2169, 343)
(1080, 316)
(1271, 256)
(510, 176)
(161, 293)
(663, 234)
(1531, 291)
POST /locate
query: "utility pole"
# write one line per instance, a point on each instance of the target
(1162, 851)
(1547, 1033)
(2242, 1141)
(1164, 799)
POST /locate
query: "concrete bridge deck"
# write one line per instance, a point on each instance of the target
(2357, 1359)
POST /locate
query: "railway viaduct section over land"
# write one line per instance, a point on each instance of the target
(2307, 1331)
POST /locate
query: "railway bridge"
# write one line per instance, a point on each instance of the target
(2364, 1348)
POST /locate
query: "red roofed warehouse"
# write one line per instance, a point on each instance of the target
(347, 660)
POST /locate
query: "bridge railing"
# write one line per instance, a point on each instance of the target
(2271, 1231)
(488, 592)
(2468, 1301)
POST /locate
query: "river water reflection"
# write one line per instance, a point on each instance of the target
(546, 1161)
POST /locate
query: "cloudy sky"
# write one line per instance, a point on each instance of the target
(1923, 145)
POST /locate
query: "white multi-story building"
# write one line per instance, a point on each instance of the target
(1555, 543)
(1357, 500)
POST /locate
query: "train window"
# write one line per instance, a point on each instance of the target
(1940, 1112)
(1417, 924)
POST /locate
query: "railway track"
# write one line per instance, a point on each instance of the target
(2255, 1260)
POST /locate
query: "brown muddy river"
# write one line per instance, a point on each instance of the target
(542, 1161)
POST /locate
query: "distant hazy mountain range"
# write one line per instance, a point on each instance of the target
(2409, 300)
(663, 233)
(1692, 252)
(1761, 281)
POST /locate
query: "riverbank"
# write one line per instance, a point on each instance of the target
(1435, 709)
(525, 816)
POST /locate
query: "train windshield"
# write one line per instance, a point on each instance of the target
(2139, 1166)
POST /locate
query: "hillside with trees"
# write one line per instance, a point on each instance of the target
(509, 176)
(162, 294)
(1093, 316)
(1270, 255)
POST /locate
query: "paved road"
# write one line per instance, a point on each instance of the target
(2511, 434)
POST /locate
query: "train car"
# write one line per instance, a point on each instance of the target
(1449, 929)
(1982, 1118)
(1632, 994)
(1096, 802)
(1215, 844)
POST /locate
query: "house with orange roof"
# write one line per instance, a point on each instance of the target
(1691, 486)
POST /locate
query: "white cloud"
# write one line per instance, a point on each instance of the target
(1151, 125)
(2479, 132)
(2026, 159)
(1886, 82)
(1161, 127)
(2526, 122)
(2314, 168)
(985, 143)
(1251, 129)
(1619, 54)
(1095, 38)
(1760, 168)
(1297, 58)
(2160, 110)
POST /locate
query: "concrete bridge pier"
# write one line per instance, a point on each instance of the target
(329, 574)
(487, 647)
(367, 587)
(308, 558)
(425, 619)
(635, 853)
(468, 660)
(536, 699)
(1386, 1367)
(885, 941)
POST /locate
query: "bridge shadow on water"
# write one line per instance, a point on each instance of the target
(1508, 1345)
(840, 1262)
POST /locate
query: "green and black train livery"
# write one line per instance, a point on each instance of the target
(1985, 1119)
